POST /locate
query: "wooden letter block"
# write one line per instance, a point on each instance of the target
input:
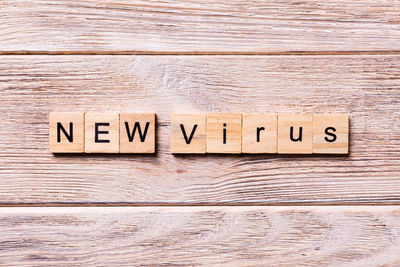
(224, 133)
(101, 132)
(137, 133)
(66, 132)
(260, 133)
(188, 133)
(331, 134)
(295, 133)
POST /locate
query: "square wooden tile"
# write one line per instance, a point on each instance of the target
(331, 134)
(137, 132)
(260, 133)
(102, 132)
(224, 133)
(290, 141)
(66, 132)
(188, 133)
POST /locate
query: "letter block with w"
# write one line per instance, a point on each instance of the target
(137, 132)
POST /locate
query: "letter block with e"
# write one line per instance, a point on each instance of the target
(102, 133)
(66, 132)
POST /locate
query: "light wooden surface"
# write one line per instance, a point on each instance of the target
(366, 87)
(199, 57)
(207, 236)
(207, 26)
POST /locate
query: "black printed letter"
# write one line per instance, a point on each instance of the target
(69, 136)
(97, 132)
(224, 134)
(141, 135)
(300, 134)
(330, 134)
(259, 129)
(188, 140)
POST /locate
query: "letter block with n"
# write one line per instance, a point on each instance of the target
(66, 132)
(188, 133)
(137, 132)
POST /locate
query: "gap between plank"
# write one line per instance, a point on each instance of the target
(255, 204)
(200, 53)
(63, 210)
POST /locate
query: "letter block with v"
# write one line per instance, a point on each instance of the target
(188, 133)
(137, 132)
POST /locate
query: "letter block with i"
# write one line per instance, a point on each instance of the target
(295, 133)
(66, 132)
(101, 132)
(188, 133)
(224, 133)
(137, 133)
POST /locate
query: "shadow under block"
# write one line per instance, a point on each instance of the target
(295, 133)
(224, 133)
(331, 134)
(260, 133)
(101, 132)
(66, 132)
(188, 133)
(137, 132)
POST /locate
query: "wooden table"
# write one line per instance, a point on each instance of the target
(200, 56)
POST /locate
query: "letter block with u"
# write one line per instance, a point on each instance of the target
(295, 133)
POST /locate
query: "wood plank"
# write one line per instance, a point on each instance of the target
(193, 26)
(208, 236)
(365, 87)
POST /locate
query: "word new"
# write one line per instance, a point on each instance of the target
(78, 132)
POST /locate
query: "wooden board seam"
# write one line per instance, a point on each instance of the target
(205, 53)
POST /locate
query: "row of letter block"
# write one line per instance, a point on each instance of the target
(225, 133)
(235, 133)
(78, 132)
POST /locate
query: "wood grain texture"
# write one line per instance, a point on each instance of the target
(365, 87)
(207, 236)
(208, 26)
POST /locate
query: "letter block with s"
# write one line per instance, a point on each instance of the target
(331, 134)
